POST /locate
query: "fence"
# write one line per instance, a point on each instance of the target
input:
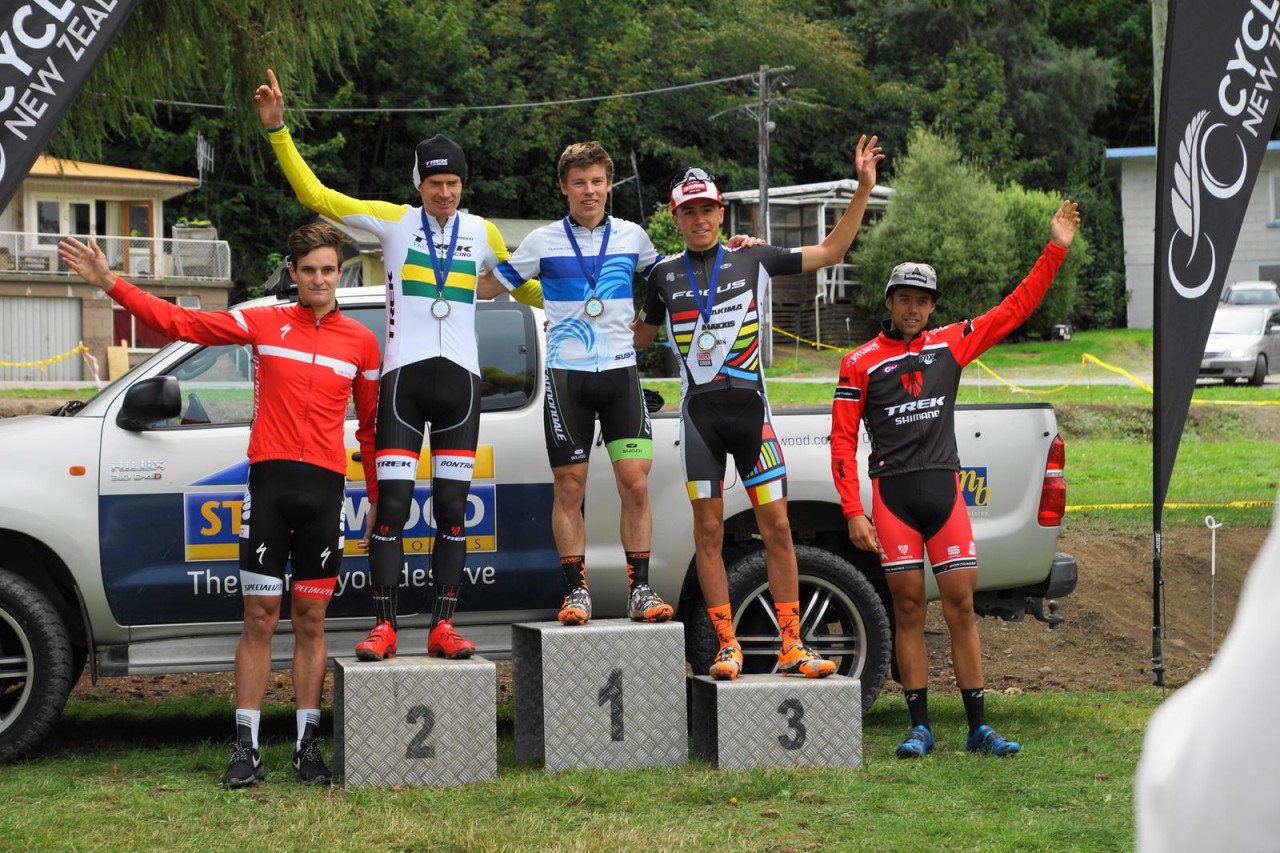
(137, 258)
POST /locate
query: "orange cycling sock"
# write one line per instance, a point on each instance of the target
(788, 622)
(722, 621)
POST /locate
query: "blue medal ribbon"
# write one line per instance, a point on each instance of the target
(441, 274)
(593, 274)
(704, 308)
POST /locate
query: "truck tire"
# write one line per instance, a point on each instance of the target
(843, 619)
(35, 665)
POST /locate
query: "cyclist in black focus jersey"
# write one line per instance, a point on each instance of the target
(710, 299)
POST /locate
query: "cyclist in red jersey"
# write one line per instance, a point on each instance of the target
(902, 385)
(309, 359)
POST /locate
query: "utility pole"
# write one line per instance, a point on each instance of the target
(1159, 24)
(764, 127)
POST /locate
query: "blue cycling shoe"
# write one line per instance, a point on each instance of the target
(918, 744)
(985, 739)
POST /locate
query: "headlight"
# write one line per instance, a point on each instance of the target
(1236, 353)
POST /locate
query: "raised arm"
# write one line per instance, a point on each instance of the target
(87, 261)
(867, 155)
(270, 102)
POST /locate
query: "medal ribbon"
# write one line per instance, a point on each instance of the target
(593, 274)
(442, 275)
(704, 308)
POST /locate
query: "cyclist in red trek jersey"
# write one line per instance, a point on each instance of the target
(309, 360)
(903, 386)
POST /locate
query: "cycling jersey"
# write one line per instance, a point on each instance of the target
(728, 320)
(575, 339)
(304, 372)
(905, 392)
(414, 333)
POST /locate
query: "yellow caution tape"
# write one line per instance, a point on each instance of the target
(42, 364)
(785, 333)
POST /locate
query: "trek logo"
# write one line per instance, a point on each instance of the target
(916, 406)
(913, 382)
(442, 161)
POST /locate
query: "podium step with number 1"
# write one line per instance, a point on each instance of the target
(608, 694)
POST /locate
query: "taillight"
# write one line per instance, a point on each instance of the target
(1053, 494)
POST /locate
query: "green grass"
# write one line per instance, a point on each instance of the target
(133, 776)
(50, 393)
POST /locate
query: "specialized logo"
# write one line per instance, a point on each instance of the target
(285, 329)
(261, 552)
(324, 555)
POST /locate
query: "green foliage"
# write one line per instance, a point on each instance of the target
(947, 213)
(216, 52)
(1028, 213)
(662, 230)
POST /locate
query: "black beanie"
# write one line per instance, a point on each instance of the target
(437, 155)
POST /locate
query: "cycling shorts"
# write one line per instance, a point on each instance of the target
(918, 513)
(434, 391)
(575, 398)
(733, 421)
(292, 513)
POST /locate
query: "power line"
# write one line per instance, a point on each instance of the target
(485, 107)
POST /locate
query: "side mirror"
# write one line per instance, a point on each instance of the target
(149, 402)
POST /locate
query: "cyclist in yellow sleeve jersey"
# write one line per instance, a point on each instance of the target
(434, 256)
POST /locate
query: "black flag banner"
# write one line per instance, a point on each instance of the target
(1219, 100)
(48, 49)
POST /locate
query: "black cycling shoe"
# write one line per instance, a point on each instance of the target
(245, 768)
(308, 764)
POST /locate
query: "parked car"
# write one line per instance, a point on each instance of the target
(1244, 343)
(1250, 293)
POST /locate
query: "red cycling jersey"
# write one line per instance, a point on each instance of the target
(304, 372)
(906, 391)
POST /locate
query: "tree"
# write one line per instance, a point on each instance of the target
(1028, 213)
(947, 213)
(212, 50)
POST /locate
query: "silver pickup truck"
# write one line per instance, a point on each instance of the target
(119, 528)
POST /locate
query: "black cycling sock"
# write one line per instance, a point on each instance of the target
(918, 707)
(975, 707)
(637, 568)
(446, 603)
(384, 603)
(575, 570)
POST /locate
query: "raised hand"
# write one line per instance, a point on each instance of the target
(270, 102)
(87, 261)
(866, 157)
(1062, 228)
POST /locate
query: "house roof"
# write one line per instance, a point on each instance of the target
(1149, 151)
(824, 191)
(47, 168)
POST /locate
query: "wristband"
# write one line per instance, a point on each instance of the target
(276, 128)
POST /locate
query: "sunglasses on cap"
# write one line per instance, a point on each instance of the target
(692, 173)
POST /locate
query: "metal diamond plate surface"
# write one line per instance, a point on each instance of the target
(778, 721)
(414, 721)
(608, 694)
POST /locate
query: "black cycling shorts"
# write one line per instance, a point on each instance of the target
(434, 391)
(292, 513)
(734, 421)
(575, 398)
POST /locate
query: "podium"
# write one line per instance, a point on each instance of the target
(414, 720)
(778, 721)
(608, 694)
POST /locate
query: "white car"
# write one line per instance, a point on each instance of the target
(1243, 343)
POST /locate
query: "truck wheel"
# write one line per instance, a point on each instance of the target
(1259, 377)
(35, 665)
(842, 619)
